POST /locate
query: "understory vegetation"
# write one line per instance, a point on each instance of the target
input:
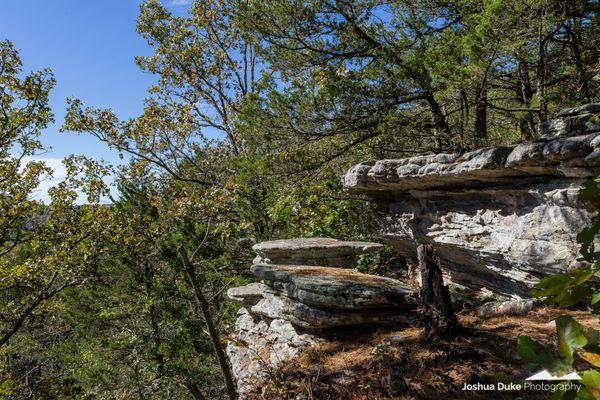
(257, 110)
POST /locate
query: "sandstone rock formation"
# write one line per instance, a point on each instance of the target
(499, 217)
(313, 251)
(248, 295)
(260, 344)
(573, 121)
(333, 288)
(293, 304)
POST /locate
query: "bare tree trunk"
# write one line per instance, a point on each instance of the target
(154, 321)
(212, 331)
(524, 94)
(541, 72)
(574, 41)
(438, 116)
(439, 318)
(194, 391)
(481, 113)
(439, 121)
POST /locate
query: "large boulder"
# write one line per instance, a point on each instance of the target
(313, 251)
(500, 218)
(288, 311)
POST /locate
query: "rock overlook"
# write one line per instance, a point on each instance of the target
(500, 217)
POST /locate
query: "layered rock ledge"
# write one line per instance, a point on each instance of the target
(332, 288)
(293, 305)
(500, 217)
(313, 251)
(561, 158)
(573, 121)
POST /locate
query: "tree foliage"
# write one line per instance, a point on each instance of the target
(257, 108)
(416, 76)
(44, 249)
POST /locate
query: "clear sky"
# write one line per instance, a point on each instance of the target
(90, 45)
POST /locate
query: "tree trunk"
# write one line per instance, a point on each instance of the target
(194, 391)
(524, 94)
(574, 41)
(541, 72)
(438, 315)
(439, 121)
(212, 331)
(481, 114)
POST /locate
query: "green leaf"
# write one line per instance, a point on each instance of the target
(583, 394)
(595, 298)
(570, 337)
(552, 285)
(582, 275)
(572, 296)
(557, 395)
(563, 395)
(535, 356)
(590, 378)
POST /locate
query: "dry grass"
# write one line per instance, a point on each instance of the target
(346, 367)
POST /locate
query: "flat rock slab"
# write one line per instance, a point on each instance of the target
(247, 295)
(313, 251)
(510, 307)
(281, 307)
(500, 218)
(571, 157)
(334, 288)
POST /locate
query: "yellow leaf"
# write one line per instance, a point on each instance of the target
(592, 358)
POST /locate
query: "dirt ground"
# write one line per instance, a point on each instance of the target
(351, 366)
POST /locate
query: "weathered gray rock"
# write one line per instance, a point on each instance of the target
(259, 345)
(510, 307)
(281, 307)
(313, 251)
(573, 121)
(491, 166)
(500, 218)
(248, 295)
(590, 108)
(334, 288)
(501, 239)
(286, 315)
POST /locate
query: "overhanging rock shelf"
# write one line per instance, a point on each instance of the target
(298, 298)
(499, 217)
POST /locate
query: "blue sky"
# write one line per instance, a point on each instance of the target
(90, 46)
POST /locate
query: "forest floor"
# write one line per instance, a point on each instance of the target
(350, 365)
